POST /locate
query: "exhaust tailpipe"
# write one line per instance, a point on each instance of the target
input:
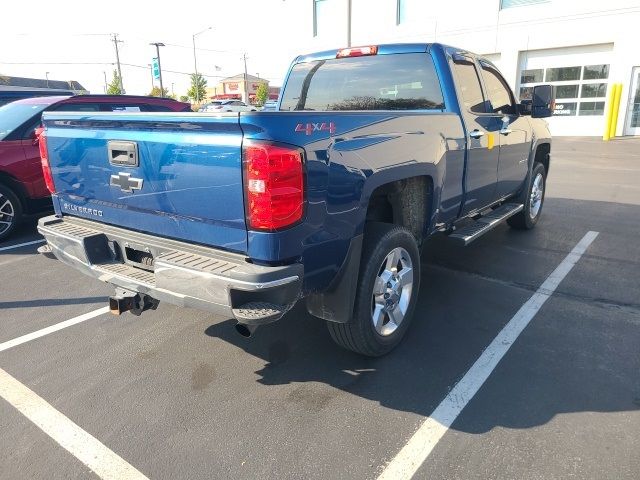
(245, 330)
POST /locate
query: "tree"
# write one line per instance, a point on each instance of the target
(184, 98)
(114, 88)
(155, 92)
(198, 90)
(262, 94)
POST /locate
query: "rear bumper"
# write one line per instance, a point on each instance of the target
(183, 274)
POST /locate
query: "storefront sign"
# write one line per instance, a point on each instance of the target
(565, 109)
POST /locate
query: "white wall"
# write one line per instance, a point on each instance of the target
(480, 26)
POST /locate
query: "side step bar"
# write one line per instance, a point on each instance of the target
(468, 234)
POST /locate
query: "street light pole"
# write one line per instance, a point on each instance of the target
(46, 74)
(105, 81)
(158, 45)
(195, 62)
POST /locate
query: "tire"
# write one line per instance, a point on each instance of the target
(533, 201)
(10, 211)
(359, 334)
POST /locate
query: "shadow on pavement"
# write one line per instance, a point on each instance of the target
(564, 361)
(51, 302)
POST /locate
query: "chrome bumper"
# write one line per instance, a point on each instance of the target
(183, 274)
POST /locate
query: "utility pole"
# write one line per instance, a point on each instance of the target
(158, 45)
(115, 43)
(195, 63)
(105, 81)
(46, 74)
(246, 80)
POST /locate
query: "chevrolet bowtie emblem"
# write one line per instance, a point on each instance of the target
(125, 182)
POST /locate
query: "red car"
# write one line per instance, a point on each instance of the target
(22, 188)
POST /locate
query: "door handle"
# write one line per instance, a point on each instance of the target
(505, 131)
(476, 134)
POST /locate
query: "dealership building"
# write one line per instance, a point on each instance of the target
(583, 47)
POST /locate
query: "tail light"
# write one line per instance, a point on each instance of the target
(274, 185)
(44, 160)
(357, 51)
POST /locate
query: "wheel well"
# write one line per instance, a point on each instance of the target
(15, 186)
(542, 155)
(405, 202)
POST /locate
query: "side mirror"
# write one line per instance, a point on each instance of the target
(543, 101)
(525, 107)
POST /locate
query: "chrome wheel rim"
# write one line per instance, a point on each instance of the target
(7, 214)
(537, 192)
(392, 292)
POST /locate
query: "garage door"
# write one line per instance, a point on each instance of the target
(581, 78)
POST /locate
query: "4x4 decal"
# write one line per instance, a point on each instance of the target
(310, 128)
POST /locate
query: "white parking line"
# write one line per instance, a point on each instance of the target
(53, 328)
(11, 247)
(94, 454)
(406, 463)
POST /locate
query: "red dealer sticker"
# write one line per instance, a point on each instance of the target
(310, 128)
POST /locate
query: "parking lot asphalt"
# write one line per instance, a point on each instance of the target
(177, 393)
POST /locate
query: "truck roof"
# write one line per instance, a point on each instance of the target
(383, 49)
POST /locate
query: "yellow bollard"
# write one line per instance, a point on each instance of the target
(607, 123)
(616, 107)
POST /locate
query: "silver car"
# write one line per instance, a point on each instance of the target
(227, 106)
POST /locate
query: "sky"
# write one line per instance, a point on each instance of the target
(75, 43)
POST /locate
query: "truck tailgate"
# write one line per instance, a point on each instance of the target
(186, 182)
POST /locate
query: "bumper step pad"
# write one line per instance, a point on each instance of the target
(253, 313)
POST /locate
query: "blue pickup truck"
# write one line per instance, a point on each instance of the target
(328, 199)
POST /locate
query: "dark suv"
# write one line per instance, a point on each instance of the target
(22, 187)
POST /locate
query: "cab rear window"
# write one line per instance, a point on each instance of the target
(379, 82)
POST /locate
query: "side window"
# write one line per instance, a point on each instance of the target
(498, 91)
(123, 108)
(78, 107)
(28, 133)
(469, 85)
(154, 108)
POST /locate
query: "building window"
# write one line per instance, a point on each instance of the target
(320, 10)
(526, 93)
(563, 74)
(565, 109)
(519, 3)
(567, 91)
(595, 72)
(408, 10)
(532, 76)
(591, 90)
(591, 108)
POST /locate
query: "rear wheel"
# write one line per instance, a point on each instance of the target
(386, 294)
(530, 214)
(10, 211)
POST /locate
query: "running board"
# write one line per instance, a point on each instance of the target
(468, 234)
